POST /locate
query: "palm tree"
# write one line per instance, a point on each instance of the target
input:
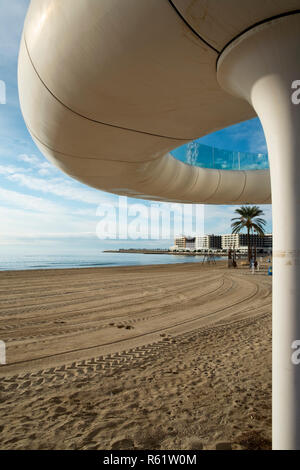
(249, 218)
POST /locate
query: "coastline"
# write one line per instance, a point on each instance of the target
(94, 260)
(162, 252)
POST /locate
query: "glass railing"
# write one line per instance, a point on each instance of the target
(205, 156)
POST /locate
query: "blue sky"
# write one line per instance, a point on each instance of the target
(43, 210)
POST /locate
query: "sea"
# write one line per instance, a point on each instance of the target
(22, 262)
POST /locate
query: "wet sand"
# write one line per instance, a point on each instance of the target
(150, 357)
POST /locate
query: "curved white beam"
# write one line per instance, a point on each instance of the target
(108, 88)
(219, 22)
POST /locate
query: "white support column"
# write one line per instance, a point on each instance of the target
(263, 67)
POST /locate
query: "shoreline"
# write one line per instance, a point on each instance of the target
(161, 252)
(220, 262)
(117, 267)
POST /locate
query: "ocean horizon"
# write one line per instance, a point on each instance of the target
(73, 261)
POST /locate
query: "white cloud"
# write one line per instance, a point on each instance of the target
(32, 223)
(58, 187)
(43, 166)
(48, 235)
(7, 170)
(25, 201)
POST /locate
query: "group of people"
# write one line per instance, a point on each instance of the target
(232, 257)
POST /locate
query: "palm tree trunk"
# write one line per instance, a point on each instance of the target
(248, 234)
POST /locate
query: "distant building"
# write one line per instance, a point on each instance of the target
(215, 242)
(180, 243)
(190, 243)
(239, 241)
(184, 243)
(268, 241)
(207, 242)
(202, 243)
(230, 241)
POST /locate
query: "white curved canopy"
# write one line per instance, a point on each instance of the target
(109, 87)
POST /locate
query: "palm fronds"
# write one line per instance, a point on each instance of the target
(249, 219)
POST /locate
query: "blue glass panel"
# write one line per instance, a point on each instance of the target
(205, 156)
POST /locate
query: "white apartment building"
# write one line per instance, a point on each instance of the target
(230, 241)
(205, 242)
(202, 243)
(239, 241)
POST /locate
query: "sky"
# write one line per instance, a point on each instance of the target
(43, 210)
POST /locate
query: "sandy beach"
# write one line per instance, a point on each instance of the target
(150, 357)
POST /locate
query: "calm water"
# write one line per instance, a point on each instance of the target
(24, 262)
